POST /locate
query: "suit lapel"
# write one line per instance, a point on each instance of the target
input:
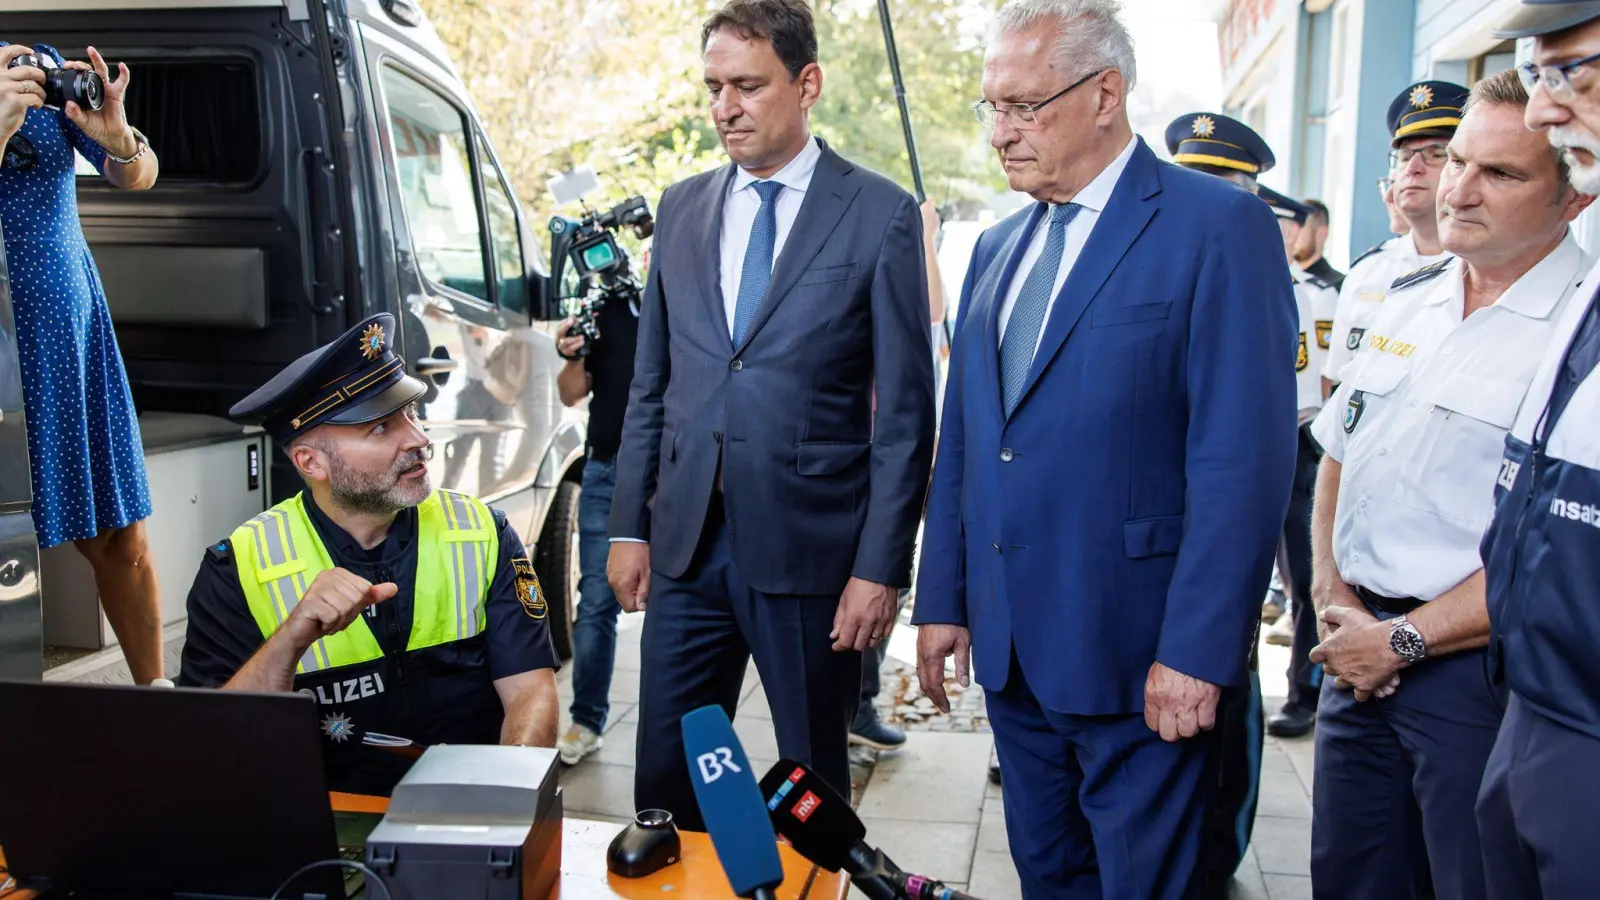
(827, 197)
(708, 247)
(993, 288)
(1120, 224)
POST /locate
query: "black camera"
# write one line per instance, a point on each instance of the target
(63, 85)
(599, 264)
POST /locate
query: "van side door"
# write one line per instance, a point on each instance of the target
(21, 616)
(462, 277)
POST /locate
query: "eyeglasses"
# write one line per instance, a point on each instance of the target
(1433, 155)
(1023, 113)
(1383, 186)
(1556, 80)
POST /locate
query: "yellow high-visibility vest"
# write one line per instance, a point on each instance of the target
(279, 554)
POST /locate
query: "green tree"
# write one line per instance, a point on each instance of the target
(615, 85)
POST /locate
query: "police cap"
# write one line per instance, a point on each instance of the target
(1284, 207)
(353, 380)
(1212, 141)
(1536, 18)
(1426, 109)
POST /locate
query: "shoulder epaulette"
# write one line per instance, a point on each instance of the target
(1357, 261)
(220, 551)
(1421, 275)
(1319, 281)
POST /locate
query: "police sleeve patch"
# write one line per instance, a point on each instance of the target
(529, 594)
(1324, 333)
(1353, 340)
(1303, 358)
(1353, 410)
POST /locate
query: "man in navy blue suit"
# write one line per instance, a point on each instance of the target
(762, 508)
(1114, 466)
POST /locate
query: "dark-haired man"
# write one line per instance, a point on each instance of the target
(761, 506)
(1313, 239)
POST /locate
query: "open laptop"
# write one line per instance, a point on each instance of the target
(165, 793)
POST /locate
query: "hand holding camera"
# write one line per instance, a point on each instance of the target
(87, 94)
(572, 342)
(21, 89)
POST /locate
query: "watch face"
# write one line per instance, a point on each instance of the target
(1407, 643)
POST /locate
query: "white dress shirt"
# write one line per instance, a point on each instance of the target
(739, 216)
(1311, 298)
(1093, 198)
(1420, 420)
(1361, 298)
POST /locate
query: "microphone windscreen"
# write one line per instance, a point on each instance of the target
(817, 822)
(730, 802)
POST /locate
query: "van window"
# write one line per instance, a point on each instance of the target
(203, 118)
(510, 271)
(434, 169)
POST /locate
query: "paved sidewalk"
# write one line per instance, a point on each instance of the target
(929, 806)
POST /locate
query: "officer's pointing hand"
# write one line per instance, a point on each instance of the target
(334, 600)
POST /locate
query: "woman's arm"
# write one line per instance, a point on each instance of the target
(105, 133)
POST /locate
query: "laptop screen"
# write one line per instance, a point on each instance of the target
(163, 791)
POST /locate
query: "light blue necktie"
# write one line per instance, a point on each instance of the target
(1027, 314)
(757, 260)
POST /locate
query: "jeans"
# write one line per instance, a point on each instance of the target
(594, 633)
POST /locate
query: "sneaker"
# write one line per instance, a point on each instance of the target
(1281, 634)
(875, 734)
(1291, 722)
(1273, 607)
(577, 743)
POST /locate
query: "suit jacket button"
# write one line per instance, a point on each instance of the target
(737, 365)
(1006, 455)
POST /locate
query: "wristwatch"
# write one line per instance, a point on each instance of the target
(144, 144)
(1406, 641)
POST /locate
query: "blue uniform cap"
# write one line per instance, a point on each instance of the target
(1426, 109)
(1204, 140)
(353, 380)
(1536, 18)
(1284, 207)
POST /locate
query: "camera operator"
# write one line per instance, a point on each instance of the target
(602, 374)
(89, 481)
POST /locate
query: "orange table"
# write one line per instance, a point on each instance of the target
(583, 866)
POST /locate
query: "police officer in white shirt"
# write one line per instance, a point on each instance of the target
(1315, 298)
(1421, 120)
(1413, 439)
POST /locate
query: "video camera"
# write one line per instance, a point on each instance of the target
(599, 264)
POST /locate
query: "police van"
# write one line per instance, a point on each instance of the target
(321, 161)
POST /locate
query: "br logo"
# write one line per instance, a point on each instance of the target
(713, 764)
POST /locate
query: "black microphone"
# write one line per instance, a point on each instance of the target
(822, 827)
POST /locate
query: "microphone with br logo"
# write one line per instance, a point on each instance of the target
(731, 804)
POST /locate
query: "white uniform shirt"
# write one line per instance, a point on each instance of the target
(1093, 198)
(1420, 421)
(1576, 439)
(739, 216)
(1361, 298)
(1311, 297)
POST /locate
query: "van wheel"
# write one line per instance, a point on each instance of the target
(558, 565)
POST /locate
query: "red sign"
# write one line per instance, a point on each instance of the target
(797, 775)
(1239, 26)
(807, 805)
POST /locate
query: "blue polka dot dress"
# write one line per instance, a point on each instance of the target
(83, 436)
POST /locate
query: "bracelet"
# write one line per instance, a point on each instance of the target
(144, 144)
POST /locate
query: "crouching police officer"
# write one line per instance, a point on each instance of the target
(412, 615)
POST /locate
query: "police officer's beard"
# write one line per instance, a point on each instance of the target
(377, 493)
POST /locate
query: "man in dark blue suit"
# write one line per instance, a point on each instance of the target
(1114, 466)
(761, 506)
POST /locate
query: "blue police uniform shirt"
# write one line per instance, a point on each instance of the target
(223, 634)
(1542, 551)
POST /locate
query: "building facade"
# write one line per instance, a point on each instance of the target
(1315, 78)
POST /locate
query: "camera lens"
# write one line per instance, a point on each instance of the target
(83, 88)
(92, 90)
